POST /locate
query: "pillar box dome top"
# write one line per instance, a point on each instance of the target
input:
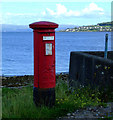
(43, 24)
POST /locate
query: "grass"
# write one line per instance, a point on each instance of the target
(18, 103)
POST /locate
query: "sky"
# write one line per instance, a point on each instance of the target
(24, 12)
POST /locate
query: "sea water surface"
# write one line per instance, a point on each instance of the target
(17, 49)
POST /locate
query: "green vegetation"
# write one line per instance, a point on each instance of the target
(106, 23)
(18, 102)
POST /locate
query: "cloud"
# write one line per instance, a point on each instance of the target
(59, 14)
(56, 1)
(19, 18)
(20, 14)
(92, 8)
(61, 11)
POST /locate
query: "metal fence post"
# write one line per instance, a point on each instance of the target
(106, 46)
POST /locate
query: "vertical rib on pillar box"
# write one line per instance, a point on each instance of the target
(44, 63)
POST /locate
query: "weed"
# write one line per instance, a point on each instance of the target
(18, 103)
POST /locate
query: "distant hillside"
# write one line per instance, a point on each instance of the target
(105, 24)
(15, 28)
(25, 28)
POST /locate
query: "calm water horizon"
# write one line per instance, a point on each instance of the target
(17, 49)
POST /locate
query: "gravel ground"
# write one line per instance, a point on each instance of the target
(90, 113)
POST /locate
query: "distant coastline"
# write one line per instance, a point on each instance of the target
(100, 27)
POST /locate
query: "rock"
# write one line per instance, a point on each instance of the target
(89, 109)
(73, 114)
(98, 112)
(91, 112)
(77, 110)
(68, 114)
(3, 78)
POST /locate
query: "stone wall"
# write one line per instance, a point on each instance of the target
(101, 54)
(86, 69)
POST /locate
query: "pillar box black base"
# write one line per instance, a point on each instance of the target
(44, 97)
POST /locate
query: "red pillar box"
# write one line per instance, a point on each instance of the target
(44, 62)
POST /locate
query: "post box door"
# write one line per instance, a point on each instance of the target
(47, 60)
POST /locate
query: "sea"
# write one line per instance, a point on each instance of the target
(17, 50)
